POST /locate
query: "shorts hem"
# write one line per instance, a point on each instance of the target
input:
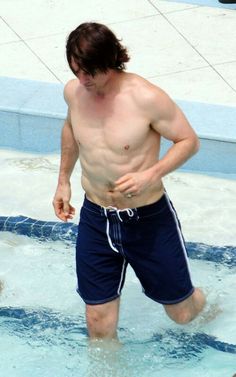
(98, 302)
(171, 302)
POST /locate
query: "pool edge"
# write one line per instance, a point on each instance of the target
(32, 113)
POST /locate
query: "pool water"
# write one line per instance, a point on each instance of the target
(43, 331)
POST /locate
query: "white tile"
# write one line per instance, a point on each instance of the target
(18, 61)
(228, 71)
(168, 6)
(46, 17)
(211, 31)
(151, 50)
(203, 85)
(156, 48)
(6, 34)
(52, 51)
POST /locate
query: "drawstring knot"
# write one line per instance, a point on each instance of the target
(130, 212)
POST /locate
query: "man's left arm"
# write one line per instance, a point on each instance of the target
(171, 123)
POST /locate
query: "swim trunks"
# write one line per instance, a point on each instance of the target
(149, 238)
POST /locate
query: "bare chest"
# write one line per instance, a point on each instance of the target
(116, 125)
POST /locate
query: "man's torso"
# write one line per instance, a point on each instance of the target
(115, 137)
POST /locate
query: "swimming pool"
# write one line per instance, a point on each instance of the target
(42, 323)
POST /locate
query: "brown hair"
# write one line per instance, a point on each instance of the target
(94, 47)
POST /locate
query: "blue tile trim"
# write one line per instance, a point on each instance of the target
(53, 230)
(44, 230)
(29, 323)
(197, 342)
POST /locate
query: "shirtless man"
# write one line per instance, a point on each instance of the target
(114, 125)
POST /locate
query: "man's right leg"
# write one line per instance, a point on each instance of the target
(100, 269)
(102, 320)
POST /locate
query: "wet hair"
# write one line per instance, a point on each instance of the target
(94, 47)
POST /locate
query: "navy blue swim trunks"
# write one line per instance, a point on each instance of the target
(149, 238)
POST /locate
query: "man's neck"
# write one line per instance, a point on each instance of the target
(111, 85)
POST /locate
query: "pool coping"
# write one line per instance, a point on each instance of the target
(32, 114)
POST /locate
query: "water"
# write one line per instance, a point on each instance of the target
(43, 331)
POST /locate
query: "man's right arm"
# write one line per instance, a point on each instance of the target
(69, 156)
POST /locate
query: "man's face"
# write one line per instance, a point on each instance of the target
(86, 79)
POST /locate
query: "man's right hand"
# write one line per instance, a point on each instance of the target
(61, 202)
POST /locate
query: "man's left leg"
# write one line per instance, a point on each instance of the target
(185, 311)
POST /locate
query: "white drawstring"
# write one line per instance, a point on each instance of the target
(130, 213)
(107, 231)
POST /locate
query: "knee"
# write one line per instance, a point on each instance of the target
(182, 317)
(100, 323)
(185, 311)
(95, 319)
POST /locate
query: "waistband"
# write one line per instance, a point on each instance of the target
(147, 210)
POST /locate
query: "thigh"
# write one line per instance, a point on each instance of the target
(159, 258)
(100, 270)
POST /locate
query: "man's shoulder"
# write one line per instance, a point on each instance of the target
(70, 89)
(144, 91)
